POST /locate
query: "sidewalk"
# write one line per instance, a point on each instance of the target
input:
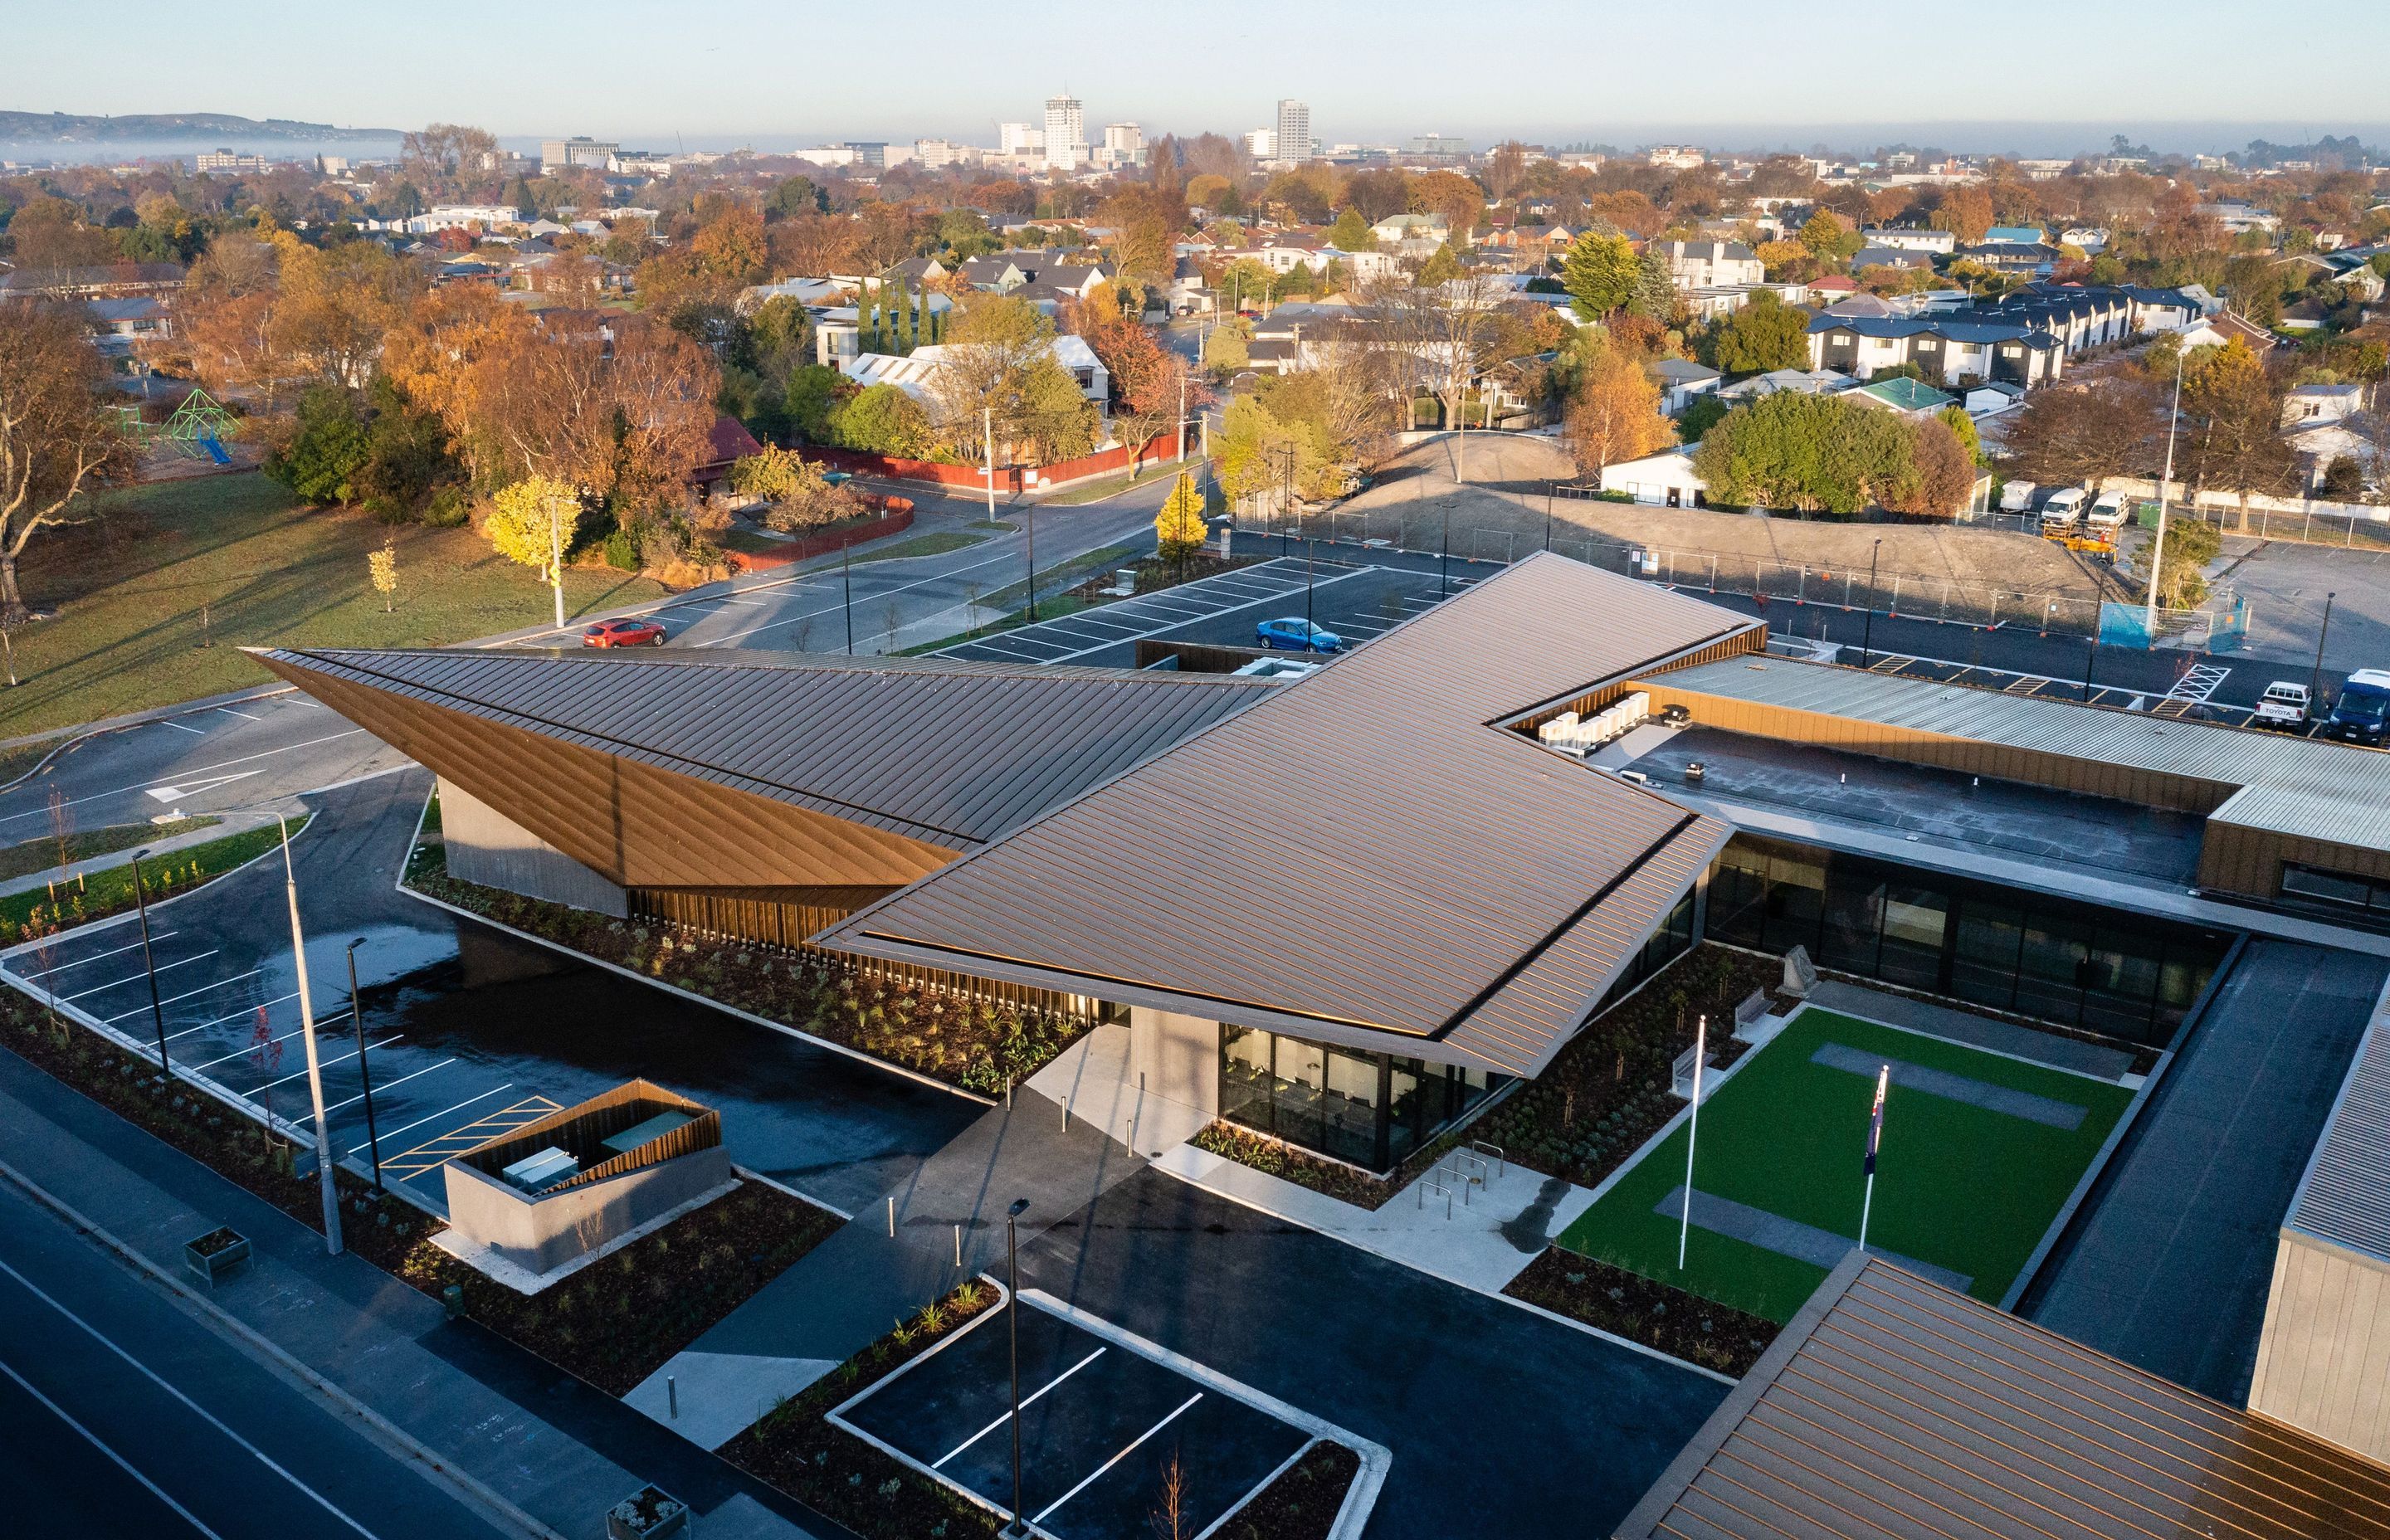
(465, 1396)
(231, 824)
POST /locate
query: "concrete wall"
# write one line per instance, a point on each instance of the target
(542, 1234)
(1179, 1057)
(2323, 1362)
(485, 846)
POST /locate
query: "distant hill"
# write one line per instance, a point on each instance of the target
(84, 128)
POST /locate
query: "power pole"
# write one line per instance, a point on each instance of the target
(1182, 416)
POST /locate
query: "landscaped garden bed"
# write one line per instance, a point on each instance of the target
(1642, 1310)
(1302, 1503)
(797, 1449)
(31, 914)
(1278, 1158)
(978, 1045)
(613, 1323)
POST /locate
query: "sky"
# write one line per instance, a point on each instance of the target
(2037, 76)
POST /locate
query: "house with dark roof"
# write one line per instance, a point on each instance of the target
(1707, 264)
(1954, 347)
(1680, 379)
(1891, 256)
(2028, 258)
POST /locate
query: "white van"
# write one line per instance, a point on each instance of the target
(2064, 509)
(2108, 513)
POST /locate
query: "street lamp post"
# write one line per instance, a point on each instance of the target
(365, 1071)
(847, 577)
(556, 558)
(2166, 481)
(1012, 1317)
(1867, 630)
(2314, 688)
(1029, 523)
(148, 965)
(314, 1069)
(1548, 484)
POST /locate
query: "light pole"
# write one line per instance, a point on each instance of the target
(988, 447)
(2315, 694)
(365, 1071)
(314, 1069)
(1029, 523)
(846, 577)
(2166, 481)
(1867, 630)
(556, 558)
(157, 1011)
(1012, 1320)
(1547, 513)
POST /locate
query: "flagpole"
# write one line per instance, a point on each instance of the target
(1875, 1141)
(1692, 1131)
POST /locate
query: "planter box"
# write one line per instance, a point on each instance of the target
(215, 1255)
(647, 1514)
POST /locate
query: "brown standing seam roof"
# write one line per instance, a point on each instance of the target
(942, 751)
(1362, 854)
(1893, 1407)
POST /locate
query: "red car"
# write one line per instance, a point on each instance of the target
(624, 634)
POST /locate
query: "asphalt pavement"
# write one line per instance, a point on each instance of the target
(127, 1415)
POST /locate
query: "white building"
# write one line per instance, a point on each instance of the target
(555, 155)
(916, 373)
(1066, 134)
(1901, 238)
(1676, 157)
(1666, 480)
(1123, 145)
(464, 216)
(1015, 138)
(1262, 144)
(1711, 263)
(1293, 131)
(226, 160)
(933, 154)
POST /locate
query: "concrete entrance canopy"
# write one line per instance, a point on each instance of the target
(1370, 857)
(823, 778)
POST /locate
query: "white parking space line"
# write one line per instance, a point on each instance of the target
(128, 947)
(1026, 1402)
(244, 1050)
(1117, 1459)
(384, 1089)
(234, 1016)
(1356, 571)
(243, 716)
(163, 1383)
(442, 1113)
(326, 1064)
(169, 722)
(122, 1463)
(187, 994)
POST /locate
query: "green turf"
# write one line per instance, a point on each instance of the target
(1960, 1186)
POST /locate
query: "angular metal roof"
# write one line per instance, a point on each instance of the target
(2344, 1197)
(2308, 787)
(950, 752)
(1895, 1408)
(1366, 857)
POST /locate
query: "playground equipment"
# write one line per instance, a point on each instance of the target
(198, 429)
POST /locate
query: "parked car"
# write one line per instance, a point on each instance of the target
(2285, 704)
(624, 634)
(2108, 513)
(1294, 633)
(2064, 509)
(2363, 709)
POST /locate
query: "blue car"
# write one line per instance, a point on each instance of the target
(1296, 635)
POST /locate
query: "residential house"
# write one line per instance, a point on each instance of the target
(2155, 310)
(2238, 217)
(916, 372)
(2223, 327)
(2309, 315)
(1955, 347)
(1908, 397)
(1990, 399)
(1710, 263)
(2029, 259)
(2306, 404)
(1831, 289)
(1931, 243)
(2016, 235)
(116, 281)
(1666, 480)
(1891, 256)
(1680, 380)
(1810, 382)
(2363, 437)
(1717, 301)
(1411, 235)
(123, 324)
(726, 443)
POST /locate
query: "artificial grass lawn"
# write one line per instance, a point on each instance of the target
(1957, 1185)
(131, 587)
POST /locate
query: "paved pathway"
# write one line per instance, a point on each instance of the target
(2169, 1265)
(553, 1448)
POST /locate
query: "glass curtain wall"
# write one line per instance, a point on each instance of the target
(1368, 1110)
(2121, 975)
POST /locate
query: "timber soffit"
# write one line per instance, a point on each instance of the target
(1897, 1408)
(952, 753)
(1363, 852)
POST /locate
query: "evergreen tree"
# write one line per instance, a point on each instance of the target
(1599, 273)
(1180, 527)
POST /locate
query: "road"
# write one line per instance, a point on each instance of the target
(126, 1414)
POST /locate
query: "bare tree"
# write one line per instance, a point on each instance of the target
(1434, 335)
(58, 443)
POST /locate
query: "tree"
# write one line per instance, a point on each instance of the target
(1150, 384)
(1829, 237)
(771, 475)
(1615, 415)
(1654, 296)
(882, 420)
(814, 395)
(1352, 233)
(1601, 273)
(1954, 419)
(1790, 450)
(533, 522)
(1764, 335)
(321, 462)
(2343, 480)
(58, 443)
(1441, 268)
(383, 567)
(2083, 433)
(1448, 193)
(1945, 472)
(1180, 526)
(2239, 409)
(626, 426)
(1226, 351)
(1966, 212)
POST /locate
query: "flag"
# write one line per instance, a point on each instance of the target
(1875, 1119)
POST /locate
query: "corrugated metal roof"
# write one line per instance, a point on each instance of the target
(2345, 1195)
(2308, 787)
(1895, 1408)
(940, 749)
(1362, 851)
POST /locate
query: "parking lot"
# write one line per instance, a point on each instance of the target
(1356, 602)
(1104, 1417)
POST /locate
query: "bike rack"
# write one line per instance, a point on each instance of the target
(1502, 1160)
(1429, 1181)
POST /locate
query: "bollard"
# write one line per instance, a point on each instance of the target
(453, 1297)
(672, 1396)
(959, 1245)
(891, 1216)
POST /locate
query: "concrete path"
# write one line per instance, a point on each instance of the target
(540, 1440)
(2169, 1262)
(1788, 1238)
(1979, 1032)
(2047, 1110)
(63, 876)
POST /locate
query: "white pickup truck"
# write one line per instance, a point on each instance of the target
(2284, 704)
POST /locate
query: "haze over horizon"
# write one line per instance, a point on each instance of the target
(740, 71)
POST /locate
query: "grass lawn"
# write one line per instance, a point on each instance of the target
(40, 855)
(938, 544)
(110, 891)
(154, 598)
(1960, 1186)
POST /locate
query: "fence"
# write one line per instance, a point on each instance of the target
(2304, 521)
(1009, 477)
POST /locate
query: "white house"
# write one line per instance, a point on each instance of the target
(1666, 480)
(1933, 242)
(1709, 264)
(1680, 380)
(916, 373)
(2307, 405)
